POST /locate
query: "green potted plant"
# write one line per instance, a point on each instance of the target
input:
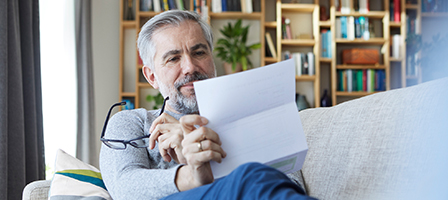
(157, 99)
(232, 49)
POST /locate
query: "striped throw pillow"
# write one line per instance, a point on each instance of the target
(74, 179)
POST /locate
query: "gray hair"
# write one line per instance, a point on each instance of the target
(172, 17)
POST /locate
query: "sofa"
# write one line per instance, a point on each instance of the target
(388, 145)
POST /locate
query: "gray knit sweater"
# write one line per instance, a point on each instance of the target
(136, 173)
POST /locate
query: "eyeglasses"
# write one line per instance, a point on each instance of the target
(139, 142)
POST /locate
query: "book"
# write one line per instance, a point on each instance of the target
(305, 64)
(223, 5)
(172, 5)
(271, 45)
(344, 27)
(298, 61)
(217, 6)
(358, 33)
(243, 6)
(363, 6)
(328, 44)
(345, 6)
(324, 50)
(157, 7)
(364, 80)
(165, 5)
(288, 29)
(359, 81)
(144, 5)
(230, 5)
(249, 6)
(349, 73)
(311, 67)
(338, 27)
(397, 11)
(391, 11)
(180, 4)
(396, 45)
(351, 28)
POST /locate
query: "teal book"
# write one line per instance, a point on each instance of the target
(359, 80)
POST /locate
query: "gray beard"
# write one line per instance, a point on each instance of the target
(180, 102)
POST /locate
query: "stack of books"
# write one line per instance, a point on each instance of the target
(367, 80)
(353, 27)
(161, 5)
(304, 62)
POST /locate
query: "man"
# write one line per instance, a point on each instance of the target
(176, 49)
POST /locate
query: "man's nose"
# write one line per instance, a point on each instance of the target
(188, 65)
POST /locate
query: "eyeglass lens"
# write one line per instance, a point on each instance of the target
(140, 143)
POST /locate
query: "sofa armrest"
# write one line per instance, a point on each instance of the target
(36, 190)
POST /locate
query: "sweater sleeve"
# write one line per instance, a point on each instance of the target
(135, 173)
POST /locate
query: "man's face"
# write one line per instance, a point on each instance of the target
(182, 57)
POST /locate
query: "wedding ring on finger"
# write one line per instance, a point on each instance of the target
(200, 146)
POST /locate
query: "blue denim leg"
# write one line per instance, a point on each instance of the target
(248, 181)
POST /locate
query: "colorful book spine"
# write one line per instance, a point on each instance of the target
(328, 44)
(298, 59)
(288, 29)
(271, 45)
(397, 11)
(224, 5)
(344, 27)
(310, 57)
(359, 78)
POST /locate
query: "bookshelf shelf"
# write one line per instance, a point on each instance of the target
(299, 42)
(128, 24)
(270, 60)
(298, 7)
(144, 85)
(326, 24)
(306, 78)
(236, 15)
(270, 24)
(412, 6)
(395, 24)
(371, 14)
(326, 60)
(360, 67)
(361, 41)
(354, 94)
(148, 13)
(127, 94)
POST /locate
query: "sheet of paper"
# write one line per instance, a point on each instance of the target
(256, 117)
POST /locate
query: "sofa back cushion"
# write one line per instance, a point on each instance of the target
(389, 145)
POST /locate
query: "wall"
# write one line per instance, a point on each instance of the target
(105, 37)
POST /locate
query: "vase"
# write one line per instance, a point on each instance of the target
(325, 101)
(228, 68)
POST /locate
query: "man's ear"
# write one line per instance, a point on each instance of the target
(149, 75)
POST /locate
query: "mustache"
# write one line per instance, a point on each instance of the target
(196, 76)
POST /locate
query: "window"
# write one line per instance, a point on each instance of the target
(57, 40)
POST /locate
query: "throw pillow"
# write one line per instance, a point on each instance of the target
(74, 179)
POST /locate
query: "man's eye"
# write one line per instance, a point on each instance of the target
(199, 53)
(173, 59)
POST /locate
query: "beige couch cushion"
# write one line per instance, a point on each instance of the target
(390, 145)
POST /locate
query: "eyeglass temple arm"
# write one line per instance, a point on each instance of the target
(108, 115)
